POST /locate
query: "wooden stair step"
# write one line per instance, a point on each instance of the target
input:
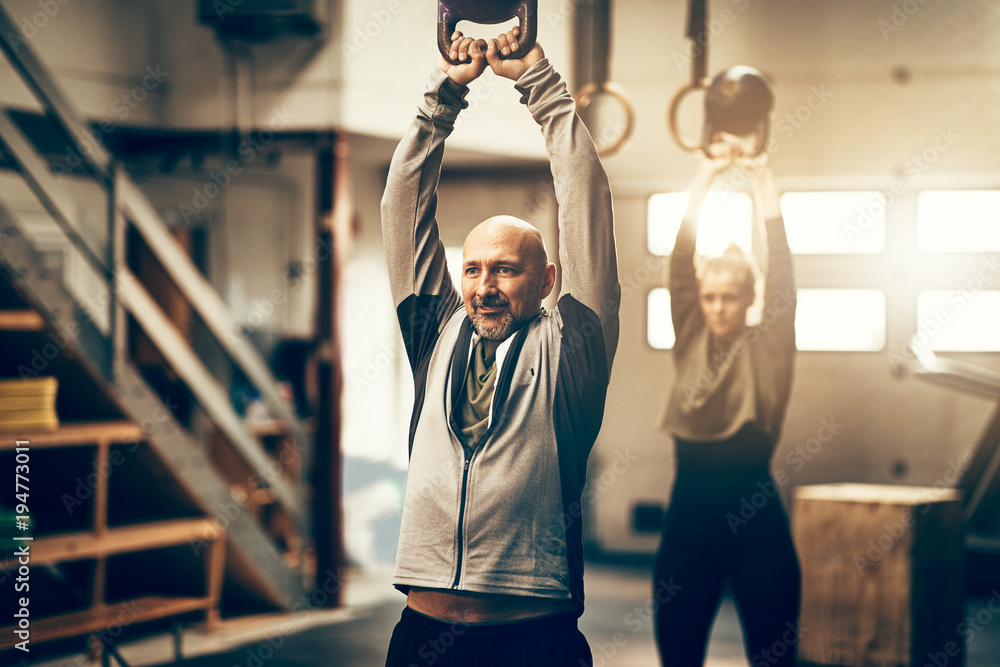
(21, 320)
(100, 618)
(78, 433)
(140, 537)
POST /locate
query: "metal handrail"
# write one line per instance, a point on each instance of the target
(126, 199)
(950, 373)
(982, 477)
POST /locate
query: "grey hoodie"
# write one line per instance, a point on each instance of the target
(507, 518)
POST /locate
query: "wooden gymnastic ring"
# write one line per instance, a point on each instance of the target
(675, 105)
(585, 96)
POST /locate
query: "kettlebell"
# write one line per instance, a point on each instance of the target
(738, 105)
(450, 12)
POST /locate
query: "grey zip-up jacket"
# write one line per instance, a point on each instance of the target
(507, 519)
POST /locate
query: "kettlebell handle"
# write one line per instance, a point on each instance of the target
(449, 17)
(703, 148)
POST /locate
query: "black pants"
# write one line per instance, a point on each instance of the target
(551, 641)
(725, 524)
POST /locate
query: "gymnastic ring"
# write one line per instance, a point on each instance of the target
(675, 105)
(585, 96)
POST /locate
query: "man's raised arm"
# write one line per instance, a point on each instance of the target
(422, 290)
(586, 220)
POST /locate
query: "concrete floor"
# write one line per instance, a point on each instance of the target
(358, 635)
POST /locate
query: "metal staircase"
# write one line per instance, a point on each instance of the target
(239, 476)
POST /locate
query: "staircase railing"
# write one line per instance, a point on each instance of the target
(105, 255)
(981, 480)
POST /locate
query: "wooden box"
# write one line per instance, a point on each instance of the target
(882, 579)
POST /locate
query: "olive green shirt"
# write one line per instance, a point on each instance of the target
(478, 395)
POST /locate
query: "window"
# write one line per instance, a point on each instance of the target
(825, 319)
(958, 220)
(958, 320)
(840, 319)
(659, 328)
(453, 255)
(726, 217)
(827, 223)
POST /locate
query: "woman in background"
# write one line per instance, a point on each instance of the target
(725, 413)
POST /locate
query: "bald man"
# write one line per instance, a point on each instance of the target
(509, 397)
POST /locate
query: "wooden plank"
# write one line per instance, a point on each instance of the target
(79, 433)
(78, 546)
(97, 619)
(21, 320)
(99, 582)
(215, 569)
(100, 517)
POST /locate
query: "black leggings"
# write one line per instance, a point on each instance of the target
(726, 523)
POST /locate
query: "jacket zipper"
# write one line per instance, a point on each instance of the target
(461, 519)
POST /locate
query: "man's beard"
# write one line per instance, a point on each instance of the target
(500, 325)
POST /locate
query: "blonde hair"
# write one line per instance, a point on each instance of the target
(733, 260)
